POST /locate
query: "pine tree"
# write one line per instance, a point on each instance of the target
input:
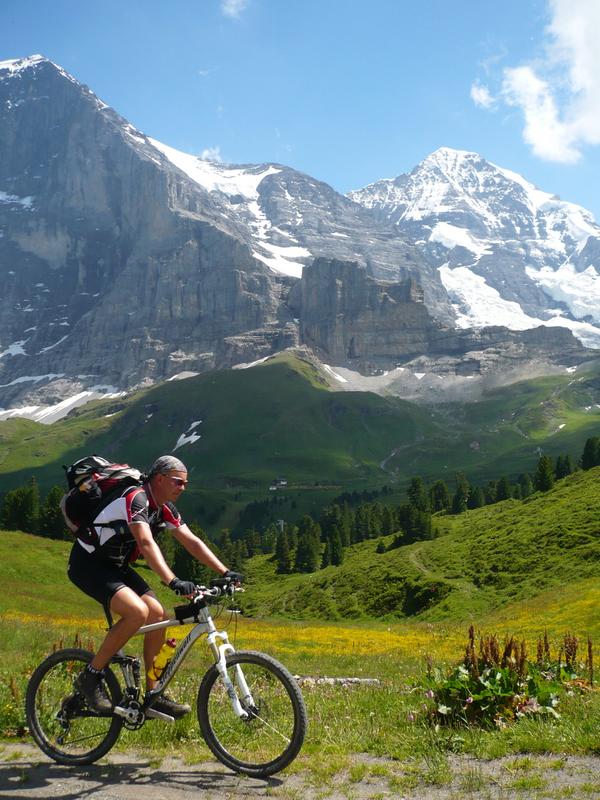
(32, 507)
(21, 508)
(282, 553)
(526, 484)
(308, 552)
(239, 555)
(417, 494)
(489, 492)
(564, 467)
(544, 476)
(52, 523)
(503, 489)
(388, 521)
(292, 534)
(336, 548)
(225, 545)
(591, 453)
(461, 496)
(476, 498)
(326, 559)
(440, 497)
(269, 538)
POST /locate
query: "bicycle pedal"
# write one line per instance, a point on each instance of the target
(151, 713)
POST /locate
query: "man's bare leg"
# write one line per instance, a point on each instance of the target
(133, 612)
(154, 640)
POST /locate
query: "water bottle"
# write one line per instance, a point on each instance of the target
(161, 659)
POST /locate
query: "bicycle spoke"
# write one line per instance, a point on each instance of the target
(84, 738)
(58, 717)
(268, 724)
(272, 733)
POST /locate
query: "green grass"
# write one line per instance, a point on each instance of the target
(283, 418)
(40, 609)
(481, 562)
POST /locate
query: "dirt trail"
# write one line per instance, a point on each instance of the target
(25, 773)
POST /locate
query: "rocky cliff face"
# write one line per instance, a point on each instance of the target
(116, 268)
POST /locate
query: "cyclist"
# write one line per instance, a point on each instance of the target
(125, 529)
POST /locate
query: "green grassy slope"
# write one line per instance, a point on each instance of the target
(480, 561)
(282, 418)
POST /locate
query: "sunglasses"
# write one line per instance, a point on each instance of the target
(180, 482)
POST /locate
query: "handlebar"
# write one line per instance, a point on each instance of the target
(220, 587)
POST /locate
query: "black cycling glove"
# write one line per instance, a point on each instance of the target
(183, 588)
(234, 577)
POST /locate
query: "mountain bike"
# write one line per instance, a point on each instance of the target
(250, 708)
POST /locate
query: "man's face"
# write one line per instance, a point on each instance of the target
(172, 485)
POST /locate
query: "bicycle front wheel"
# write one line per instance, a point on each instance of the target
(58, 717)
(272, 732)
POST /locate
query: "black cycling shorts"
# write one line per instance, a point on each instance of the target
(100, 578)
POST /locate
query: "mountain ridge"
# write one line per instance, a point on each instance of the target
(214, 253)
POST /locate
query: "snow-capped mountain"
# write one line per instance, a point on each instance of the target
(508, 253)
(124, 261)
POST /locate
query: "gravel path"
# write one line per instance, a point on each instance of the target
(25, 773)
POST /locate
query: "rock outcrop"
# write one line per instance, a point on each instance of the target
(355, 321)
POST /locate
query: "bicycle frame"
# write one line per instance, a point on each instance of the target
(204, 625)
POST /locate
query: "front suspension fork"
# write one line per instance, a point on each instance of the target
(220, 653)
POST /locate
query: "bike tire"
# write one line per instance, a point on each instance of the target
(86, 737)
(273, 735)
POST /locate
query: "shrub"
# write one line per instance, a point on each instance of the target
(496, 685)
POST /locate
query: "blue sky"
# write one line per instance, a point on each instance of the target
(346, 90)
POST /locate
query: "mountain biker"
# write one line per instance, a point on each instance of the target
(126, 529)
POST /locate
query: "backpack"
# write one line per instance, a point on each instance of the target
(94, 482)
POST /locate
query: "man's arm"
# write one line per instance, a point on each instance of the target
(151, 551)
(198, 549)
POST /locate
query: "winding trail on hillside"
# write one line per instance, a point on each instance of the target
(414, 558)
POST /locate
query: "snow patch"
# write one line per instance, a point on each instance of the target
(478, 305)
(15, 349)
(579, 290)
(216, 177)
(334, 374)
(52, 346)
(451, 236)
(181, 376)
(14, 65)
(26, 202)
(35, 378)
(251, 363)
(49, 414)
(189, 437)
(280, 260)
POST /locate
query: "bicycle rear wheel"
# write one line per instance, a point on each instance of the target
(58, 717)
(273, 732)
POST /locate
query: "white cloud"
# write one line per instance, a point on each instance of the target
(549, 137)
(481, 96)
(559, 93)
(212, 154)
(233, 8)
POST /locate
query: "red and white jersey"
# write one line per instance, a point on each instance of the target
(115, 542)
